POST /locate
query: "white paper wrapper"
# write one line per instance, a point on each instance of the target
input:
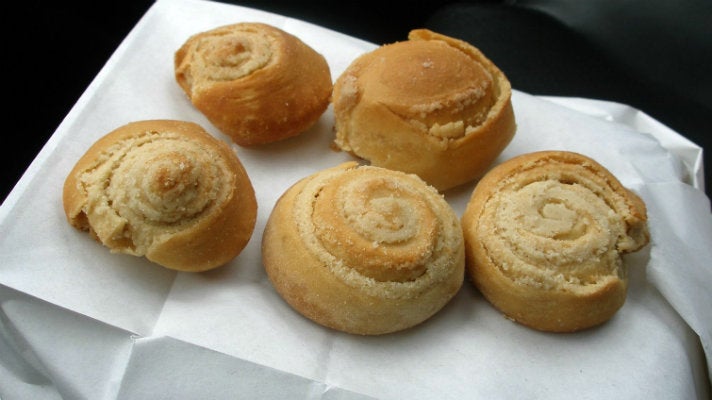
(79, 322)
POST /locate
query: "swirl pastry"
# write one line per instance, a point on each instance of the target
(544, 234)
(254, 82)
(166, 190)
(364, 250)
(433, 105)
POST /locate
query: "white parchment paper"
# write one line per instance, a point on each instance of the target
(78, 322)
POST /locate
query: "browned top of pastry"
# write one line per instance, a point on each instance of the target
(166, 190)
(364, 249)
(253, 81)
(432, 105)
(427, 82)
(545, 232)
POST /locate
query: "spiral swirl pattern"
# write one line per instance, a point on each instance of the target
(363, 249)
(552, 232)
(545, 232)
(378, 229)
(160, 182)
(460, 102)
(230, 55)
(253, 81)
(166, 190)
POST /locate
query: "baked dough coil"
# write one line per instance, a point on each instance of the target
(256, 83)
(364, 250)
(544, 236)
(433, 105)
(166, 190)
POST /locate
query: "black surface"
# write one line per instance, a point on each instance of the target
(57, 48)
(55, 51)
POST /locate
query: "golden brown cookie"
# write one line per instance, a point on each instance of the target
(364, 250)
(432, 105)
(544, 234)
(163, 189)
(256, 83)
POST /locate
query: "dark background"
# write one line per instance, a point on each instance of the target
(654, 55)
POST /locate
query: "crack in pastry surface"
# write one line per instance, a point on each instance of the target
(433, 105)
(461, 100)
